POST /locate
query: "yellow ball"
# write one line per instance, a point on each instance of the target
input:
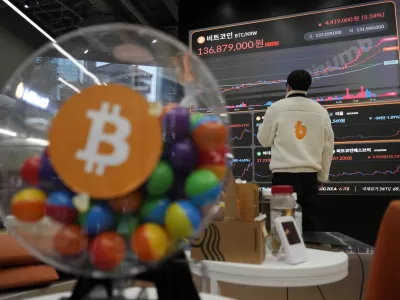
(28, 205)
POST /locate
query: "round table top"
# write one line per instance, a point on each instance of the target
(131, 293)
(322, 267)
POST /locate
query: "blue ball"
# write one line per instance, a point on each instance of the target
(60, 198)
(182, 220)
(99, 218)
(59, 207)
(207, 197)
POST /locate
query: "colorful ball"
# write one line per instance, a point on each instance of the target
(183, 155)
(160, 180)
(210, 133)
(202, 187)
(107, 251)
(214, 161)
(60, 208)
(168, 107)
(127, 224)
(194, 119)
(126, 204)
(47, 173)
(153, 210)
(213, 157)
(176, 124)
(28, 205)
(182, 220)
(218, 170)
(197, 119)
(70, 241)
(30, 170)
(98, 219)
(150, 242)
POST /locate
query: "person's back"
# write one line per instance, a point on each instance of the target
(300, 135)
(302, 126)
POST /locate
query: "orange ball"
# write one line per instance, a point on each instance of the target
(28, 205)
(150, 242)
(70, 241)
(127, 204)
(210, 135)
(107, 251)
(219, 170)
(168, 107)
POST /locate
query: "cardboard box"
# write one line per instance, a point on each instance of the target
(231, 241)
(248, 197)
(230, 198)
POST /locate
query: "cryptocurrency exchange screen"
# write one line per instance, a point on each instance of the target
(352, 54)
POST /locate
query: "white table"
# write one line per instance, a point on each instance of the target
(132, 293)
(323, 267)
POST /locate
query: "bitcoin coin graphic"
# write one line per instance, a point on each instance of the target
(118, 139)
(105, 141)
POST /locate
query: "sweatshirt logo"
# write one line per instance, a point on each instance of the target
(301, 130)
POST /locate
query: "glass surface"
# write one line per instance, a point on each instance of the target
(154, 64)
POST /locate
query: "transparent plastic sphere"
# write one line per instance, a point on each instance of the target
(112, 148)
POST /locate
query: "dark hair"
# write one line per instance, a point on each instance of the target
(299, 80)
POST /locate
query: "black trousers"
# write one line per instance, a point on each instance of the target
(306, 187)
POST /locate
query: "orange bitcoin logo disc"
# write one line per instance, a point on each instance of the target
(301, 130)
(104, 142)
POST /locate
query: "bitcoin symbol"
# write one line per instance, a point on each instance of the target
(117, 139)
(301, 130)
(95, 146)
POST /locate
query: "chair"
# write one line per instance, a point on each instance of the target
(384, 279)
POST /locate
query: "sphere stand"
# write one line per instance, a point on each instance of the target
(173, 280)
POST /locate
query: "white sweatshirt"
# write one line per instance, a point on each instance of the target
(300, 135)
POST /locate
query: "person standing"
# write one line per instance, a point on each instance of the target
(301, 138)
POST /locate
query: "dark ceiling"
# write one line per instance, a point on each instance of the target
(57, 17)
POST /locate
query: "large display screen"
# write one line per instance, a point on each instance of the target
(353, 56)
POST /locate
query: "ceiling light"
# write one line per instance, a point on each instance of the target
(71, 86)
(55, 45)
(154, 41)
(13, 7)
(26, 6)
(86, 51)
(19, 92)
(39, 142)
(8, 132)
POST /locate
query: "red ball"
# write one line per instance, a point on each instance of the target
(213, 157)
(107, 251)
(127, 204)
(70, 241)
(30, 170)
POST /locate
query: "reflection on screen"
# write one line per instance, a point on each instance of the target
(291, 233)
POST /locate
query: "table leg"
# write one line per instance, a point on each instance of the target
(214, 287)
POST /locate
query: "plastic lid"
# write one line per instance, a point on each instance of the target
(282, 189)
(266, 192)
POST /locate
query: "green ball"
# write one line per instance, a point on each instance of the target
(200, 182)
(194, 119)
(153, 210)
(160, 180)
(127, 224)
(147, 206)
